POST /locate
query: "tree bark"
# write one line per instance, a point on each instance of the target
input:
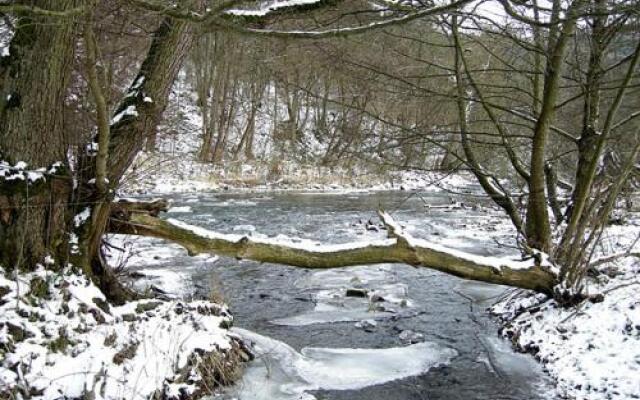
(148, 95)
(34, 214)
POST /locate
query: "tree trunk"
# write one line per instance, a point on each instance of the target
(34, 216)
(48, 211)
(256, 91)
(538, 228)
(224, 109)
(138, 114)
(135, 120)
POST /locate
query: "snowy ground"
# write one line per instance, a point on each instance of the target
(60, 339)
(592, 351)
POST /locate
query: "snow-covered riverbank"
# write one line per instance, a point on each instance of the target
(159, 174)
(592, 351)
(59, 338)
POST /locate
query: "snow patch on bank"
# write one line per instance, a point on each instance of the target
(593, 350)
(60, 339)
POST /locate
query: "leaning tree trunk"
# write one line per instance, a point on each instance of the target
(33, 207)
(136, 119)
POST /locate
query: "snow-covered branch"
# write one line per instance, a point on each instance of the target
(422, 13)
(535, 273)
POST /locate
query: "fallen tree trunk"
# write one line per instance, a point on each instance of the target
(534, 273)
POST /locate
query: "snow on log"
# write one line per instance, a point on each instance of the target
(535, 273)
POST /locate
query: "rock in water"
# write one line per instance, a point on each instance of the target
(411, 337)
(367, 325)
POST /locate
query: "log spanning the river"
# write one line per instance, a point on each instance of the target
(534, 273)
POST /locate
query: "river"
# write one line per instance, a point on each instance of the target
(418, 334)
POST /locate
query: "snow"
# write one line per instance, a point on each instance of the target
(92, 147)
(130, 111)
(592, 351)
(204, 232)
(82, 217)
(163, 338)
(184, 209)
(281, 373)
(20, 172)
(272, 7)
(280, 240)
(313, 246)
(138, 82)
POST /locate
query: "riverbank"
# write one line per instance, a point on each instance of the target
(59, 338)
(592, 351)
(161, 174)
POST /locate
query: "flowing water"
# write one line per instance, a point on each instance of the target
(419, 334)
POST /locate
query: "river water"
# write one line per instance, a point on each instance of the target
(417, 334)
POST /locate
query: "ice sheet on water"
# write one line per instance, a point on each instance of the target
(234, 203)
(514, 365)
(281, 373)
(479, 292)
(244, 228)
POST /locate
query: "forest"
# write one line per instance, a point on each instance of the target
(319, 199)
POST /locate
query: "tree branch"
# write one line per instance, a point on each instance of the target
(222, 23)
(33, 10)
(400, 247)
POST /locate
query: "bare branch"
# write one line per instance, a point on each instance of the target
(33, 10)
